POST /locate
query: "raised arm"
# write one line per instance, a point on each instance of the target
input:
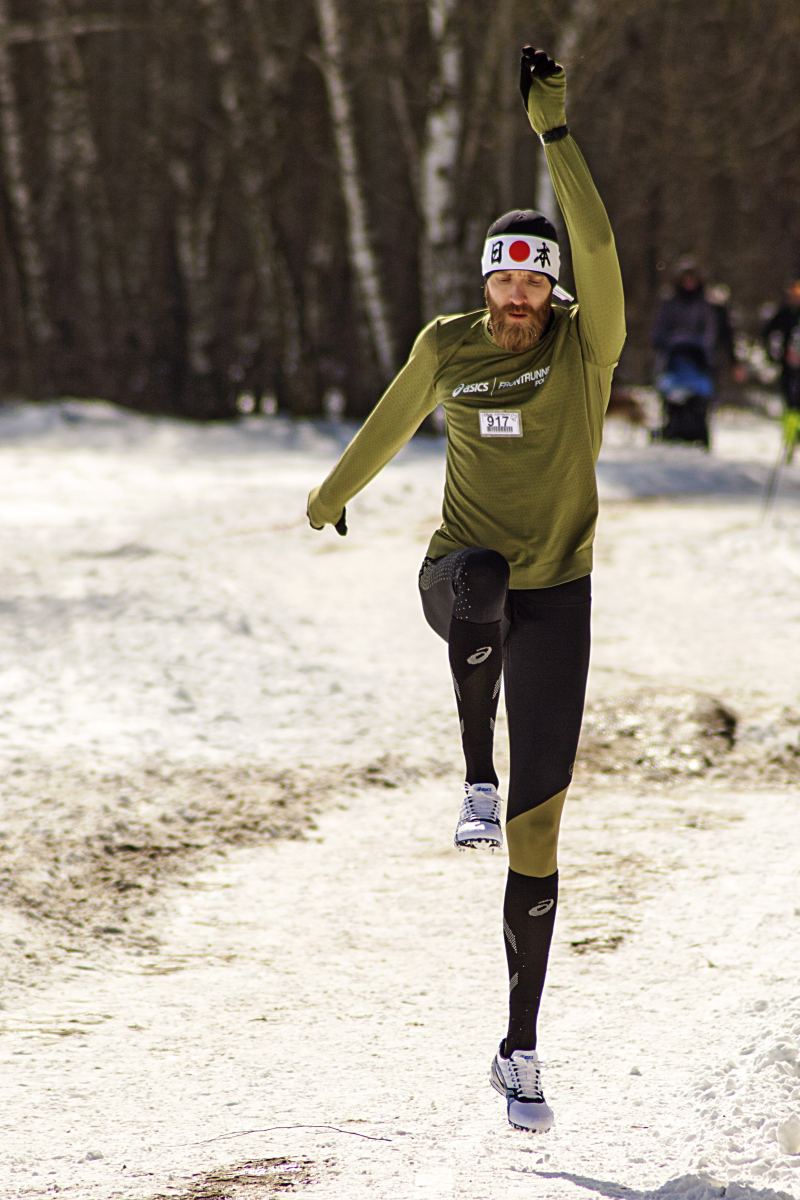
(402, 408)
(601, 311)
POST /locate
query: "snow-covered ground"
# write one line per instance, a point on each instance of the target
(240, 953)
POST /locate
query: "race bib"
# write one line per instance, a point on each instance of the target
(501, 424)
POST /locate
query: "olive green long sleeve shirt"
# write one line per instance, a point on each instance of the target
(523, 429)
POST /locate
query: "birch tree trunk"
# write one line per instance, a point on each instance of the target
(363, 259)
(461, 126)
(441, 269)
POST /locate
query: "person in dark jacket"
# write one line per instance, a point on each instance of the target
(687, 318)
(686, 341)
(781, 335)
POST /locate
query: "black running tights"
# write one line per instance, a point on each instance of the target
(541, 638)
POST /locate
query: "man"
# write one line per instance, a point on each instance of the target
(524, 384)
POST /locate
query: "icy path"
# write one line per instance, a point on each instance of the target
(164, 607)
(356, 981)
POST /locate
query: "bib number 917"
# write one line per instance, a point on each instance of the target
(501, 424)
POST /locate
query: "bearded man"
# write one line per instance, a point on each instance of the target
(524, 384)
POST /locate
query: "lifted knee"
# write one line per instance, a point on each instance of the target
(481, 586)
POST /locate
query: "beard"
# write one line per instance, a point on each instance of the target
(512, 334)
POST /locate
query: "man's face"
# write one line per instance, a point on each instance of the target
(519, 308)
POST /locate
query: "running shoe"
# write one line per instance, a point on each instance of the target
(519, 1079)
(479, 822)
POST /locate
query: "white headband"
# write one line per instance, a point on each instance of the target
(520, 252)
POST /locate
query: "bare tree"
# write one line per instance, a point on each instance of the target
(363, 258)
(29, 259)
(201, 198)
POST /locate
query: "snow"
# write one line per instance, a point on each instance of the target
(193, 1005)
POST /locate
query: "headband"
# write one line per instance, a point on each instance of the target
(520, 252)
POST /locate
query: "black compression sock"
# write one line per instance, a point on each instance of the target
(476, 662)
(529, 914)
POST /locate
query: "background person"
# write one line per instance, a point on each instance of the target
(781, 335)
(686, 337)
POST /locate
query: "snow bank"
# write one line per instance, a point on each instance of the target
(750, 1109)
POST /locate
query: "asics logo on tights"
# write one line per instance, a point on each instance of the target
(541, 908)
(479, 656)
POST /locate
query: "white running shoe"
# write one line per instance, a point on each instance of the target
(519, 1079)
(479, 822)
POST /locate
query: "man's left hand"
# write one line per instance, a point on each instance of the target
(543, 84)
(538, 64)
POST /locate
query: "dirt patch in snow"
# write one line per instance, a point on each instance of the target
(248, 1180)
(657, 736)
(84, 854)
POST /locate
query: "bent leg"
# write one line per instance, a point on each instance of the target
(546, 661)
(464, 598)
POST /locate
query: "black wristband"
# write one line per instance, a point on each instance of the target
(554, 135)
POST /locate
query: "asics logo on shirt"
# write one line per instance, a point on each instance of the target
(467, 388)
(537, 378)
(479, 656)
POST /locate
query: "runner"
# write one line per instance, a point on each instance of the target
(506, 581)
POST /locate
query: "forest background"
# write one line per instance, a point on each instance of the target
(215, 205)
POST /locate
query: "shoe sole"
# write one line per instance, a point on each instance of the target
(527, 1129)
(491, 838)
(476, 843)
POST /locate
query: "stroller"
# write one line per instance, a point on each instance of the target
(686, 388)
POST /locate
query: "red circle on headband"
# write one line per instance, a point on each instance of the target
(519, 251)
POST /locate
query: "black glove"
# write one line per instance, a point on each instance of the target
(534, 63)
(340, 526)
